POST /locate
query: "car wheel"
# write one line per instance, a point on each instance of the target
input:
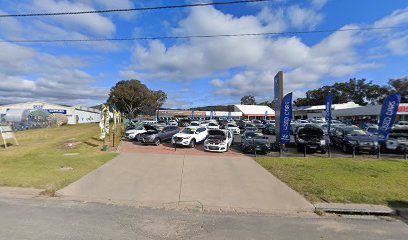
(345, 149)
(192, 143)
(324, 151)
(157, 142)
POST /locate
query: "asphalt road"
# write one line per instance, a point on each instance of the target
(55, 219)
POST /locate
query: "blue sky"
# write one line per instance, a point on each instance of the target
(198, 72)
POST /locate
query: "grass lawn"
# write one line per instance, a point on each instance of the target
(343, 180)
(41, 159)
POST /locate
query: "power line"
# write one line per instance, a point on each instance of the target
(197, 36)
(132, 9)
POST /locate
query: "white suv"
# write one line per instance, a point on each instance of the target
(132, 134)
(218, 140)
(190, 136)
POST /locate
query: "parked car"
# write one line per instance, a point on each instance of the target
(218, 140)
(311, 137)
(269, 129)
(156, 136)
(401, 124)
(372, 130)
(397, 140)
(183, 122)
(258, 123)
(195, 124)
(133, 133)
(233, 128)
(190, 136)
(172, 123)
(255, 141)
(213, 125)
(251, 127)
(241, 123)
(349, 137)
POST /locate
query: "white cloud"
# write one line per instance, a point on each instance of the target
(397, 18)
(26, 74)
(318, 4)
(303, 17)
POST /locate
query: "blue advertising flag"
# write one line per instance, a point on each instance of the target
(211, 115)
(192, 114)
(285, 118)
(266, 115)
(229, 115)
(387, 118)
(329, 101)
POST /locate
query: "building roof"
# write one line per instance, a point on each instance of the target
(323, 107)
(254, 109)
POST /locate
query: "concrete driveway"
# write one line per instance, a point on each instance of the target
(213, 182)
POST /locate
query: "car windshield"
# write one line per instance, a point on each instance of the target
(253, 135)
(250, 125)
(356, 132)
(194, 124)
(257, 122)
(189, 130)
(139, 127)
(232, 125)
(212, 124)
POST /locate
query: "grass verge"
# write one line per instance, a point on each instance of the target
(344, 180)
(52, 158)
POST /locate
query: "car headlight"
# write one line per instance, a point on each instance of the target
(352, 142)
(322, 142)
(301, 140)
(375, 143)
(187, 137)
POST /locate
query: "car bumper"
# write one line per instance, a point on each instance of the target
(185, 142)
(256, 148)
(215, 148)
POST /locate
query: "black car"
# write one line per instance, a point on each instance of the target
(311, 137)
(241, 124)
(258, 123)
(349, 137)
(255, 141)
(156, 136)
(269, 129)
(184, 122)
(251, 127)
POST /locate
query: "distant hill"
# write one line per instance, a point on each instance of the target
(223, 108)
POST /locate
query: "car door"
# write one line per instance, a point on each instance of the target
(201, 134)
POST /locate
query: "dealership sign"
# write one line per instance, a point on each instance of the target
(388, 113)
(285, 119)
(59, 111)
(329, 101)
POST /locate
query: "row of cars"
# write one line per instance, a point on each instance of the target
(210, 134)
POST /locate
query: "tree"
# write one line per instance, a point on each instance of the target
(134, 98)
(359, 91)
(400, 86)
(248, 100)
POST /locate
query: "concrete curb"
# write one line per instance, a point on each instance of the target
(352, 208)
(17, 192)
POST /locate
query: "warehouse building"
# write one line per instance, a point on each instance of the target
(251, 112)
(369, 112)
(75, 115)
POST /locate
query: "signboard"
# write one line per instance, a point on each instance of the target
(329, 101)
(59, 111)
(285, 119)
(403, 109)
(387, 118)
(7, 133)
(278, 92)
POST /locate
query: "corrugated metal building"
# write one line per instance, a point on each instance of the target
(75, 115)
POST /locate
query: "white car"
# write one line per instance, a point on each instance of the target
(233, 128)
(195, 124)
(132, 134)
(213, 125)
(173, 123)
(190, 136)
(218, 140)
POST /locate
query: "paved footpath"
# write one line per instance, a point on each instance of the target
(208, 182)
(50, 219)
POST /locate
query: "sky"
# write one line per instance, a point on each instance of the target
(197, 71)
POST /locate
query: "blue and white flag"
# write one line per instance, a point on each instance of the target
(192, 114)
(329, 101)
(211, 115)
(387, 118)
(229, 115)
(266, 115)
(285, 119)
